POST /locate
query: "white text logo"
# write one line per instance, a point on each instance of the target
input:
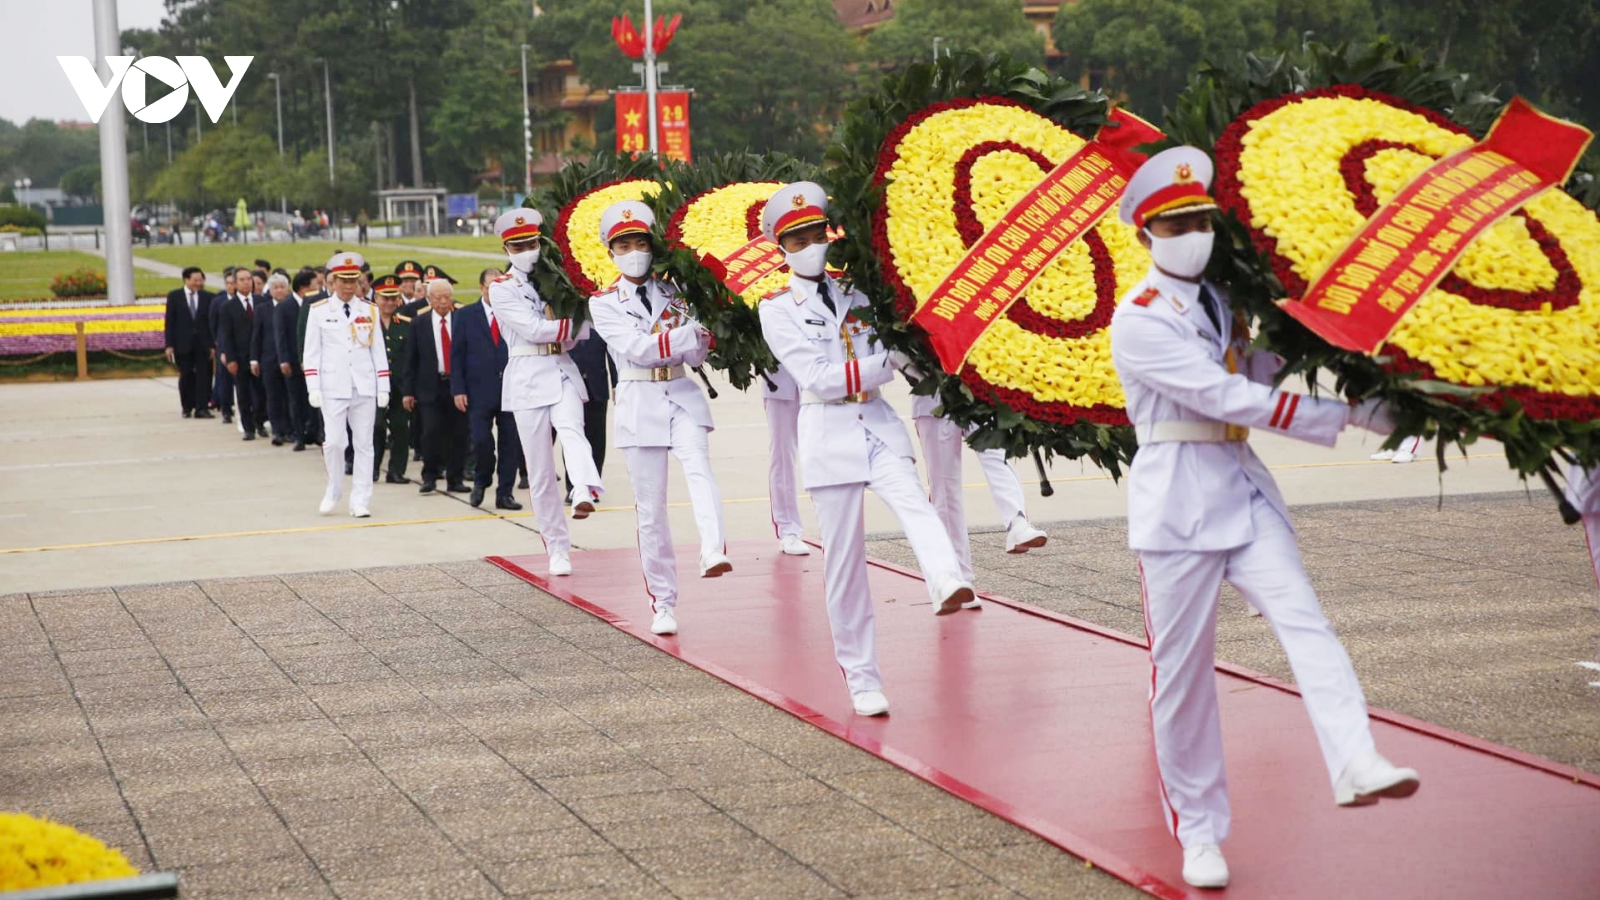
(130, 76)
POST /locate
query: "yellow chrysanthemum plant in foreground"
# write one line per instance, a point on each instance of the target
(1504, 344)
(37, 853)
(924, 174)
(710, 245)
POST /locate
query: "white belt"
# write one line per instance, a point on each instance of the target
(659, 373)
(807, 397)
(1190, 432)
(536, 350)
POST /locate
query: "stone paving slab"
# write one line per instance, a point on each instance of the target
(449, 731)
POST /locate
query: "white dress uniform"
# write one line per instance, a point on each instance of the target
(347, 371)
(658, 411)
(1583, 492)
(1203, 508)
(542, 389)
(781, 402)
(942, 441)
(851, 440)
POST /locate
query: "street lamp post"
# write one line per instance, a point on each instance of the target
(327, 95)
(22, 185)
(277, 94)
(936, 42)
(527, 128)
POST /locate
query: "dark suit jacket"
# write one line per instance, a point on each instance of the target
(264, 337)
(477, 363)
(218, 306)
(283, 322)
(186, 333)
(301, 318)
(422, 359)
(237, 333)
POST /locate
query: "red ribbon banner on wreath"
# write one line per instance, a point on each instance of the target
(1415, 239)
(997, 270)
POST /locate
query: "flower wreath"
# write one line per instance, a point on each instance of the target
(1307, 147)
(574, 264)
(919, 170)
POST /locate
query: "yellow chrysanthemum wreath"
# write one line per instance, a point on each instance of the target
(584, 257)
(37, 853)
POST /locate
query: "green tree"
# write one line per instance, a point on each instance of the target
(987, 26)
(479, 113)
(44, 151)
(82, 181)
(1144, 50)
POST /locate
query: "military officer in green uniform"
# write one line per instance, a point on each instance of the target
(392, 428)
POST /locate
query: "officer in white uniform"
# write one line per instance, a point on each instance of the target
(1202, 508)
(347, 377)
(1583, 492)
(780, 397)
(542, 388)
(942, 441)
(851, 439)
(652, 339)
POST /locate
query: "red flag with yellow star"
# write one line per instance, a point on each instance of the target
(633, 122)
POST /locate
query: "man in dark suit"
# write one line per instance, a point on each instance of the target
(477, 363)
(222, 385)
(188, 341)
(314, 434)
(265, 363)
(284, 317)
(234, 338)
(392, 427)
(444, 427)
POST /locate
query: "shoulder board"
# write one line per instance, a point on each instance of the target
(503, 276)
(1146, 296)
(775, 294)
(400, 318)
(318, 303)
(605, 293)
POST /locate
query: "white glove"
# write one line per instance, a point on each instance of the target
(1373, 415)
(383, 399)
(899, 360)
(315, 399)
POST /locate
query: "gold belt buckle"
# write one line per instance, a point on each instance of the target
(1236, 434)
(857, 398)
(549, 349)
(661, 373)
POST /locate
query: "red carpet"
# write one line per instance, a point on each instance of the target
(1043, 721)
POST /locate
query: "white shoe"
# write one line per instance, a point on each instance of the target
(713, 565)
(329, 501)
(792, 545)
(1403, 456)
(953, 594)
(1369, 777)
(360, 512)
(1382, 455)
(560, 564)
(1022, 536)
(1204, 867)
(665, 622)
(870, 703)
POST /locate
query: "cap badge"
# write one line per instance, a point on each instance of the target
(1184, 174)
(521, 220)
(798, 201)
(349, 261)
(627, 215)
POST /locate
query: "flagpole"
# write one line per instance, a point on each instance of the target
(650, 74)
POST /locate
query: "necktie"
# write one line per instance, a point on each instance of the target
(494, 329)
(822, 291)
(194, 306)
(444, 343)
(1209, 301)
(644, 300)
(249, 308)
(347, 310)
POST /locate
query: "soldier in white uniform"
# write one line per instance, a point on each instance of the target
(347, 377)
(652, 340)
(1583, 492)
(780, 397)
(851, 439)
(542, 388)
(1202, 508)
(942, 441)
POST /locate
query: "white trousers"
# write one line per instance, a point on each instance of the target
(566, 416)
(1591, 532)
(942, 441)
(647, 466)
(783, 443)
(844, 555)
(1181, 590)
(544, 490)
(360, 413)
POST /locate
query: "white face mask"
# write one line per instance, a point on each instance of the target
(1184, 256)
(634, 264)
(524, 261)
(810, 262)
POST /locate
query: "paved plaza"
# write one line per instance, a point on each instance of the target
(221, 683)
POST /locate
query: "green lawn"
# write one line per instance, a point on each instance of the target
(488, 244)
(26, 275)
(213, 258)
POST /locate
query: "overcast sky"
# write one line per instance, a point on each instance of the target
(34, 32)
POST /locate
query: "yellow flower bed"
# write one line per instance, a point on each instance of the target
(37, 853)
(1292, 171)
